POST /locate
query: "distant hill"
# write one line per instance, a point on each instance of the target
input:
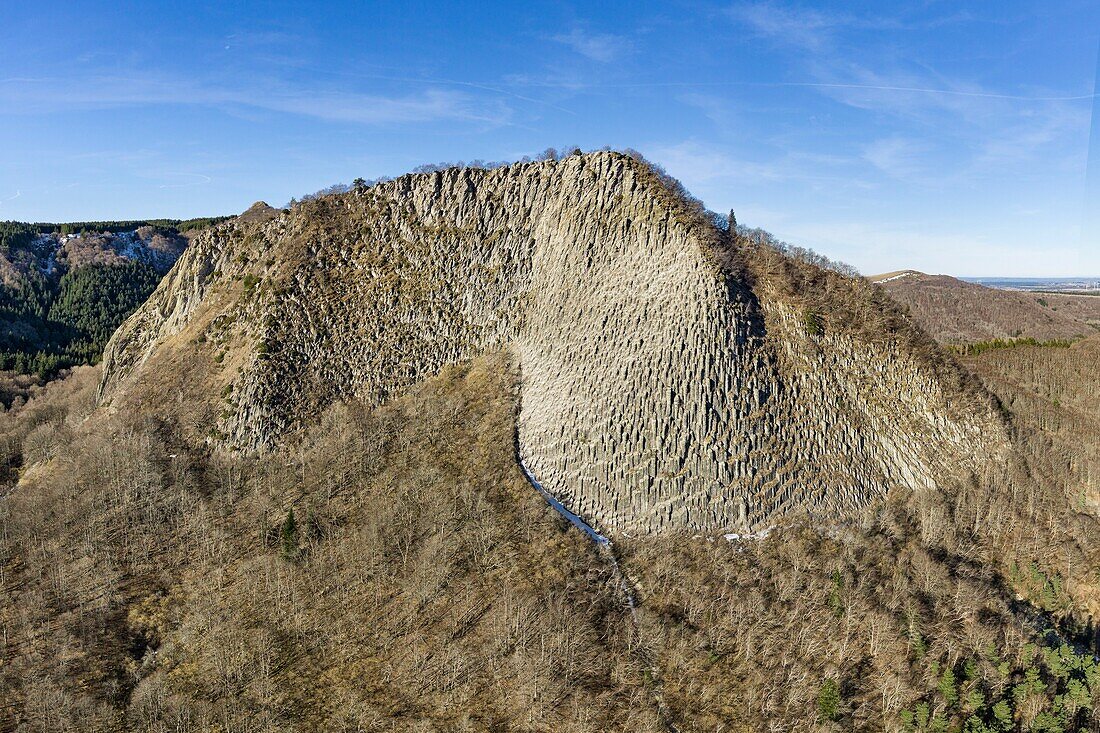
(956, 312)
(64, 288)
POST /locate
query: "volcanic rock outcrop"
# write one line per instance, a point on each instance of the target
(670, 378)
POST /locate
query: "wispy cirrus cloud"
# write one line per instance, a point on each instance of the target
(699, 164)
(804, 28)
(337, 105)
(253, 39)
(894, 245)
(603, 47)
(921, 112)
(184, 180)
(898, 157)
(813, 29)
(990, 131)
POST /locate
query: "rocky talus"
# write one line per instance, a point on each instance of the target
(659, 390)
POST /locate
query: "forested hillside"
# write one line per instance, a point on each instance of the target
(390, 569)
(64, 288)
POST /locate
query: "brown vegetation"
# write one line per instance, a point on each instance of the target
(1054, 394)
(16, 389)
(957, 312)
(146, 585)
(386, 567)
(423, 585)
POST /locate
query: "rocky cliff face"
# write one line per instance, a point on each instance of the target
(660, 388)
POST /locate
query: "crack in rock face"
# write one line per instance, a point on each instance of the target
(658, 390)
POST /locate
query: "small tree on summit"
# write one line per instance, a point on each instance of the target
(289, 537)
(359, 184)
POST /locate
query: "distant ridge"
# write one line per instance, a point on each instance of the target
(954, 311)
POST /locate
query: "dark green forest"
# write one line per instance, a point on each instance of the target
(51, 323)
(44, 329)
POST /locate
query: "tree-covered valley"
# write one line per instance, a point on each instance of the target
(64, 288)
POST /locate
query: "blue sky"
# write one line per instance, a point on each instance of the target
(944, 136)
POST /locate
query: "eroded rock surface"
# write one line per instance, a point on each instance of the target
(660, 390)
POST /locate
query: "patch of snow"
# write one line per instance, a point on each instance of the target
(899, 276)
(603, 543)
(736, 537)
(129, 245)
(575, 520)
(46, 246)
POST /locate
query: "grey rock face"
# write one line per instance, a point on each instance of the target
(657, 392)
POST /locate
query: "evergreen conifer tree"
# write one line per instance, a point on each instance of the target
(289, 536)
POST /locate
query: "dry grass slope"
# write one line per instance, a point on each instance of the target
(146, 586)
(150, 585)
(958, 312)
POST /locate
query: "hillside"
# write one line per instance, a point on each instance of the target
(150, 585)
(64, 288)
(958, 312)
(1056, 394)
(662, 386)
(290, 499)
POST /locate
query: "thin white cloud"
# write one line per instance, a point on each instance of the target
(185, 180)
(578, 84)
(883, 247)
(717, 108)
(898, 157)
(1055, 135)
(430, 105)
(991, 131)
(872, 242)
(947, 92)
(603, 47)
(700, 164)
(803, 28)
(813, 29)
(254, 39)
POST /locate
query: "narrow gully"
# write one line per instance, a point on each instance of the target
(603, 545)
